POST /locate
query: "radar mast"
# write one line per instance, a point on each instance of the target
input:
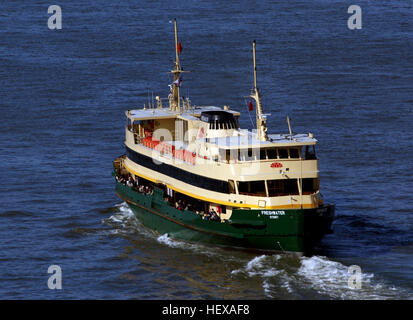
(255, 94)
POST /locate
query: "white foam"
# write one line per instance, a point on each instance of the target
(165, 239)
(327, 277)
(256, 267)
(330, 278)
(264, 267)
(124, 220)
(195, 247)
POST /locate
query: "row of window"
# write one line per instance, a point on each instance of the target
(253, 188)
(275, 187)
(216, 125)
(306, 153)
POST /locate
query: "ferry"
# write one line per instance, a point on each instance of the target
(192, 173)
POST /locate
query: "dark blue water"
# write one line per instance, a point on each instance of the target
(63, 95)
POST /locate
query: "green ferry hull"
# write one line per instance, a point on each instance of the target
(287, 230)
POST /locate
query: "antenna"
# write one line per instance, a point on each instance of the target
(175, 100)
(289, 127)
(176, 46)
(255, 94)
(176, 103)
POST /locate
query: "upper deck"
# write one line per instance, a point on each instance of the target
(247, 139)
(193, 113)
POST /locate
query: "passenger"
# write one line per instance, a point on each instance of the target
(214, 215)
(207, 216)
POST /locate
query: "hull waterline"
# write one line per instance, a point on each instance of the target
(289, 230)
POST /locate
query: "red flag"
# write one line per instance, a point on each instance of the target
(180, 48)
(250, 106)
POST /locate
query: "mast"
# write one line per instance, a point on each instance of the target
(255, 94)
(174, 103)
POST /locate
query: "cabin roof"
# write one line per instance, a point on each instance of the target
(165, 113)
(248, 139)
(148, 114)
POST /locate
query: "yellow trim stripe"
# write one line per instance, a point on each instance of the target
(231, 204)
(139, 174)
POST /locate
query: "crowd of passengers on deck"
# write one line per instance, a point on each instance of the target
(130, 182)
(180, 205)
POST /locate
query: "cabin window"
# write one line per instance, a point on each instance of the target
(243, 155)
(228, 155)
(243, 187)
(310, 185)
(275, 187)
(291, 186)
(310, 153)
(283, 153)
(263, 155)
(282, 187)
(294, 154)
(252, 188)
(258, 188)
(250, 154)
(272, 153)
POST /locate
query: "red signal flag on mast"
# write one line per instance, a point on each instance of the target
(250, 106)
(180, 48)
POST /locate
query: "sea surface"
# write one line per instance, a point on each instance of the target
(63, 94)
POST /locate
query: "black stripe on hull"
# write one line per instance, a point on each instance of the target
(177, 173)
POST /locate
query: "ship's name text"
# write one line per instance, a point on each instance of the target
(273, 214)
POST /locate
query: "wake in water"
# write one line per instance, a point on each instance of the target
(123, 221)
(282, 276)
(314, 277)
